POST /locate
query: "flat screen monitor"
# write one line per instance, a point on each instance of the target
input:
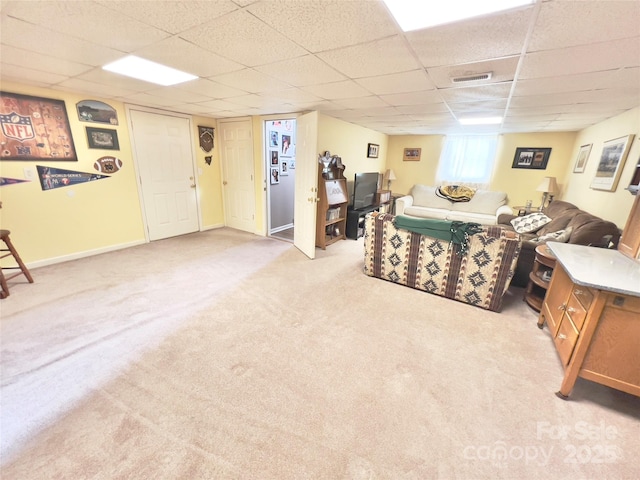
(365, 187)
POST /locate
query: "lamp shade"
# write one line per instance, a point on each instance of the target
(390, 175)
(548, 185)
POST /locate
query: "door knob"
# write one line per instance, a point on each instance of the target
(193, 185)
(224, 182)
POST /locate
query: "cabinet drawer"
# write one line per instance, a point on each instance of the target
(584, 296)
(576, 311)
(566, 339)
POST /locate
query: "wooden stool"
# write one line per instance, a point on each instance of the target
(4, 236)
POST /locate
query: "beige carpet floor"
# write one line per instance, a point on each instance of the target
(229, 356)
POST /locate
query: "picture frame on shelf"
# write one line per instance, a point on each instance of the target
(612, 159)
(372, 150)
(583, 156)
(531, 158)
(102, 138)
(411, 154)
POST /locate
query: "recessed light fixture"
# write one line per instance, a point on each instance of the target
(149, 71)
(417, 14)
(480, 121)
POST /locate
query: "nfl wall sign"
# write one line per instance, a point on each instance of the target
(108, 164)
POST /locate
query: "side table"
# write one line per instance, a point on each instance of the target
(539, 278)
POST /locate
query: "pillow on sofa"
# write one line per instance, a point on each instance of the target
(530, 223)
(425, 196)
(561, 236)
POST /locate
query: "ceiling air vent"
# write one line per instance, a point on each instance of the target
(476, 77)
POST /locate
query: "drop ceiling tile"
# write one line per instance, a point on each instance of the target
(77, 19)
(179, 96)
(413, 98)
(582, 59)
(337, 90)
(388, 55)
(472, 40)
(103, 77)
(222, 105)
(301, 71)
(57, 45)
(79, 85)
(172, 16)
(320, 25)
(209, 88)
(178, 53)
(43, 78)
(564, 24)
(537, 110)
(551, 99)
(251, 81)
(413, 81)
(142, 98)
(244, 38)
(361, 102)
(564, 83)
(296, 95)
(481, 92)
(502, 69)
(490, 107)
(256, 101)
(44, 63)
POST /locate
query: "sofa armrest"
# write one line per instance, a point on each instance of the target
(504, 210)
(402, 203)
(505, 218)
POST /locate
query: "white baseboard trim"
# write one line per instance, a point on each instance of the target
(86, 253)
(213, 227)
(279, 229)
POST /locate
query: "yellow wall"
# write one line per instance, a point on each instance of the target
(102, 215)
(614, 206)
(350, 142)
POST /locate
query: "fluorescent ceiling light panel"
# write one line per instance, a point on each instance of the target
(417, 14)
(481, 121)
(149, 71)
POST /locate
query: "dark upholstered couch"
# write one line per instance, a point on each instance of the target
(586, 229)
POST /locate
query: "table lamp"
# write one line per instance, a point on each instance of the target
(549, 187)
(390, 176)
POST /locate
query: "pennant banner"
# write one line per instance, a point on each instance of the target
(51, 178)
(11, 181)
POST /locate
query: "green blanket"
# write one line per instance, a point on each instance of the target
(454, 232)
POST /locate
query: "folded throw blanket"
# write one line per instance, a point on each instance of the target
(455, 193)
(457, 233)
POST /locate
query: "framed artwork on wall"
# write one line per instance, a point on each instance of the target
(102, 138)
(614, 154)
(583, 156)
(372, 150)
(411, 154)
(96, 112)
(532, 158)
(34, 128)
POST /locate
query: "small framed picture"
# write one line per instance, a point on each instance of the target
(274, 158)
(102, 138)
(412, 154)
(275, 176)
(583, 156)
(532, 158)
(284, 168)
(372, 150)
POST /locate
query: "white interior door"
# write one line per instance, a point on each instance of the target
(305, 208)
(164, 156)
(236, 159)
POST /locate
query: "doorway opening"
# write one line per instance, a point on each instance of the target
(280, 163)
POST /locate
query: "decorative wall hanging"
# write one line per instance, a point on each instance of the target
(275, 175)
(4, 181)
(207, 159)
(108, 164)
(531, 158)
(51, 178)
(102, 138)
(97, 112)
(274, 158)
(205, 137)
(372, 150)
(583, 156)
(412, 154)
(287, 148)
(284, 168)
(273, 138)
(34, 128)
(614, 154)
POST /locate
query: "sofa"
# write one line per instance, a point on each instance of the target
(484, 207)
(567, 224)
(478, 274)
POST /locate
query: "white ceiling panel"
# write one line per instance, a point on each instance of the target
(473, 40)
(243, 38)
(320, 25)
(301, 71)
(557, 64)
(569, 23)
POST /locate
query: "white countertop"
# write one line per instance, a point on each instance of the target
(599, 267)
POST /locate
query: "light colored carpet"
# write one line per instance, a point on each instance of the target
(226, 355)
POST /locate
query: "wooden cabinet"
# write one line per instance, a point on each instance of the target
(332, 205)
(539, 277)
(596, 333)
(629, 244)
